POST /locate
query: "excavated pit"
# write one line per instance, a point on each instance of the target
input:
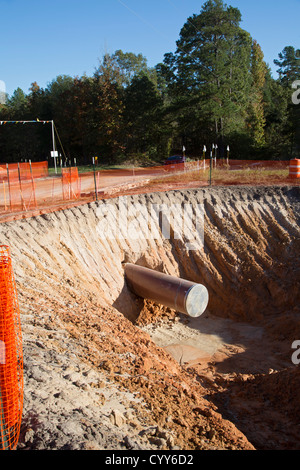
(104, 369)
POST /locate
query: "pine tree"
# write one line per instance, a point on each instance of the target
(289, 66)
(289, 72)
(210, 70)
(143, 116)
(257, 119)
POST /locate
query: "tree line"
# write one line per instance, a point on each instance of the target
(216, 88)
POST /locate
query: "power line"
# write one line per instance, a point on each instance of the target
(149, 24)
(63, 151)
(174, 6)
(140, 18)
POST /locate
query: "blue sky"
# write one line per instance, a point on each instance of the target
(41, 39)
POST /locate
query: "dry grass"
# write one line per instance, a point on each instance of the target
(226, 176)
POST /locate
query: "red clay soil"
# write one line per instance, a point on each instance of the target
(244, 395)
(135, 188)
(176, 406)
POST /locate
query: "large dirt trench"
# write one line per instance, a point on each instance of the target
(92, 349)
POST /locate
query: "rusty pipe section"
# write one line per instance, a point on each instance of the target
(184, 296)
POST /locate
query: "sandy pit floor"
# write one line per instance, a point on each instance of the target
(199, 341)
(106, 370)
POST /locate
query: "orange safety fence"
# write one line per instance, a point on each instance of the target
(11, 356)
(70, 183)
(27, 192)
(20, 195)
(18, 184)
(23, 171)
(256, 164)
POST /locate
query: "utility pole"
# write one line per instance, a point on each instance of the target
(210, 169)
(53, 144)
(96, 190)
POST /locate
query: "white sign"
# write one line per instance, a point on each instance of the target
(54, 154)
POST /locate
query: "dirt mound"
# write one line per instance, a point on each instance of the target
(102, 368)
(265, 407)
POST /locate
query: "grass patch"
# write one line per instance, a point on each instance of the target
(226, 176)
(90, 168)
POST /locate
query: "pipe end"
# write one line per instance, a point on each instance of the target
(196, 301)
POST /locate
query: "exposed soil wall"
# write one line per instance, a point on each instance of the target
(93, 377)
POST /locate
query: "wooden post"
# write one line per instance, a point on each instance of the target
(33, 184)
(9, 192)
(23, 203)
(96, 191)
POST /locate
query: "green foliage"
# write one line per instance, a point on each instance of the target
(256, 119)
(143, 116)
(208, 76)
(289, 66)
(215, 88)
(289, 72)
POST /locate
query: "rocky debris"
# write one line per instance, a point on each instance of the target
(85, 391)
(117, 418)
(93, 376)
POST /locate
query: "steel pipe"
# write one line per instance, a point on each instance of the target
(179, 294)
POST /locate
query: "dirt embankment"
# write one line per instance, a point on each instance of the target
(102, 367)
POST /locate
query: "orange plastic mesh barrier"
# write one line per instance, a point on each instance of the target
(19, 183)
(21, 195)
(71, 183)
(23, 170)
(22, 191)
(11, 356)
(255, 164)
